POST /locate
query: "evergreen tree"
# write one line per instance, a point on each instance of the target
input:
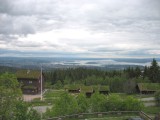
(154, 71)
(146, 72)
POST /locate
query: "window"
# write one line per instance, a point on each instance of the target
(30, 82)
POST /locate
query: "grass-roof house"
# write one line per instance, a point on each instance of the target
(73, 88)
(104, 89)
(148, 88)
(30, 81)
(87, 90)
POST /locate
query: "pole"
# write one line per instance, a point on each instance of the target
(41, 84)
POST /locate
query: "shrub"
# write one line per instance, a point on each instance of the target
(157, 97)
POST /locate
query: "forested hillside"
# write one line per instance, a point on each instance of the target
(119, 81)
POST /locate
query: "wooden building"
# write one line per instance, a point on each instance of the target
(87, 90)
(73, 88)
(147, 88)
(30, 81)
(104, 90)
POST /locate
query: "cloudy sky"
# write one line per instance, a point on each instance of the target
(80, 28)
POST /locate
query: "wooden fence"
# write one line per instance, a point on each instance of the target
(102, 114)
(144, 116)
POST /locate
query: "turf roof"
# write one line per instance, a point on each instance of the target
(87, 89)
(149, 86)
(104, 88)
(72, 87)
(32, 74)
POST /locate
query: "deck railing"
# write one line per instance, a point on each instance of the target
(102, 114)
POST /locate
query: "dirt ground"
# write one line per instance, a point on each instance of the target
(29, 98)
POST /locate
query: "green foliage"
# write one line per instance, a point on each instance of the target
(52, 93)
(32, 115)
(9, 81)
(157, 97)
(133, 72)
(67, 104)
(97, 102)
(118, 81)
(11, 105)
(58, 85)
(131, 103)
(114, 103)
(79, 75)
(154, 71)
(151, 109)
(3, 69)
(83, 103)
(9, 95)
(23, 113)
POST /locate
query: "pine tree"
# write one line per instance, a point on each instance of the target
(154, 71)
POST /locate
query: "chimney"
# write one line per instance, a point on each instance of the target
(28, 71)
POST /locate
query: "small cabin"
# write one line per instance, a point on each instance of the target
(87, 90)
(30, 81)
(104, 90)
(73, 88)
(147, 88)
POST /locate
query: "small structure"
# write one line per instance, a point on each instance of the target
(30, 81)
(148, 88)
(73, 88)
(104, 90)
(87, 90)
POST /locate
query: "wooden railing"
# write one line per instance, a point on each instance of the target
(144, 116)
(102, 114)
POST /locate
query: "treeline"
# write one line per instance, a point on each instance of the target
(118, 80)
(4, 69)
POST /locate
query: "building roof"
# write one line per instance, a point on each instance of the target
(32, 74)
(87, 89)
(73, 87)
(83, 88)
(149, 86)
(104, 88)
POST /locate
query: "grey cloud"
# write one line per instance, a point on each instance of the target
(27, 7)
(8, 38)
(11, 25)
(135, 21)
(106, 48)
(139, 53)
(5, 6)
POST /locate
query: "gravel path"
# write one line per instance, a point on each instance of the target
(150, 101)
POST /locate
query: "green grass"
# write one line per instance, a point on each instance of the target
(48, 98)
(124, 95)
(152, 110)
(39, 103)
(53, 93)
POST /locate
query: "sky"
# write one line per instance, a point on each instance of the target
(80, 28)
